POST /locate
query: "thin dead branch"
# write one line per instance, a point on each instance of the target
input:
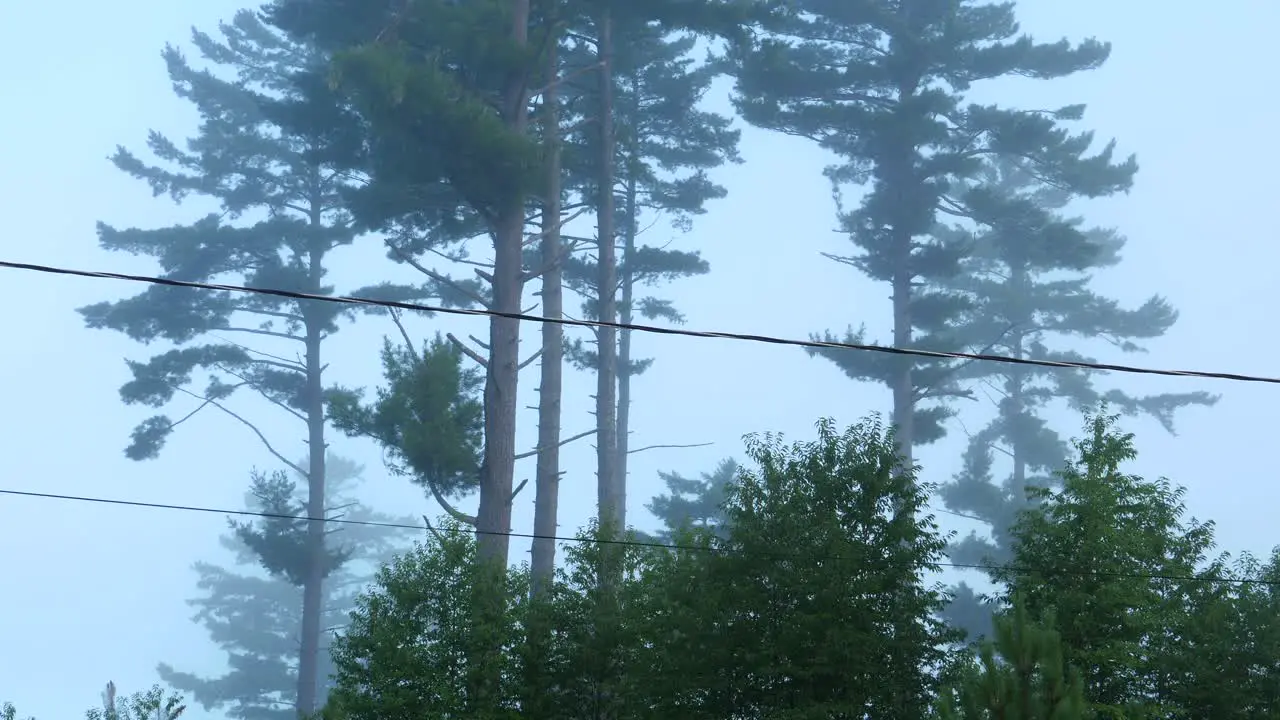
(467, 351)
(562, 443)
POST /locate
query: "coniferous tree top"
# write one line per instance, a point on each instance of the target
(882, 85)
(281, 214)
(693, 503)
(427, 79)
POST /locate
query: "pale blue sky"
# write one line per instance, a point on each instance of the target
(95, 593)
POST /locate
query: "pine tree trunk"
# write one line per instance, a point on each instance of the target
(611, 494)
(1017, 387)
(493, 517)
(903, 386)
(313, 585)
(550, 390)
(626, 316)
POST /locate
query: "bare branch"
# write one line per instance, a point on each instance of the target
(656, 447)
(444, 279)
(454, 512)
(263, 393)
(542, 234)
(462, 261)
(395, 318)
(266, 333)
(280, 361)
(562, 443)
(433, 530)
(272, 313)
(467, 351)
(532, 359)
(568, 249)
(265, 442)
(519, 487)
(559, 81)
(477, 341)
(484, 276)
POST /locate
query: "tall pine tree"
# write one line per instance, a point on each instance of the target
(443, 90)
(253, 612)
(665, 147)
(281, 216)
(881, 84)
(1027, 277)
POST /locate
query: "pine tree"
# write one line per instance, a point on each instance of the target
(693, 503)
(464, 71)
(881, 84)
(1027, 277)
(245, 161)
(665, 147)
(553, 254)
(254, 614)
(1021, 676)
(428, 418)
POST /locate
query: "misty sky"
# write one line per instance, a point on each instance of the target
(91, 593)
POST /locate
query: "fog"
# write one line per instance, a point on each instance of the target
(96, 592)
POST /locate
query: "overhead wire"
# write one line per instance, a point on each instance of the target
(593, 540)
(636, 327)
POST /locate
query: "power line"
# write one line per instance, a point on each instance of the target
(598, 541)
(810, 344)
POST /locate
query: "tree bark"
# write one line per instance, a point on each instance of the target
(493, 518)
(611, 492)
(313, 585)
(627, 315)
(547, 480)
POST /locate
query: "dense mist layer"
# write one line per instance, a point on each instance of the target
(431, 504)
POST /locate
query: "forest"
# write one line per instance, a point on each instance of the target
(510, 155)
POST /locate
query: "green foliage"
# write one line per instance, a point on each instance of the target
(1232, 642)
(280, 541)
(1027, 278)
(1021, 676)
(428, 417)
(254, 615)
(852, 77)
(428, 79)
(407, 649)
(599, 661)
(814, 605)
(665, 147)
(1112, 556)
(153, 704)
(241, 159)
(693, 503)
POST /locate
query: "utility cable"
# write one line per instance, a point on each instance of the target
(810, 344)
(598, 541)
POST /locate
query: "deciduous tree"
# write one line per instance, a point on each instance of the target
(1113, 556)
